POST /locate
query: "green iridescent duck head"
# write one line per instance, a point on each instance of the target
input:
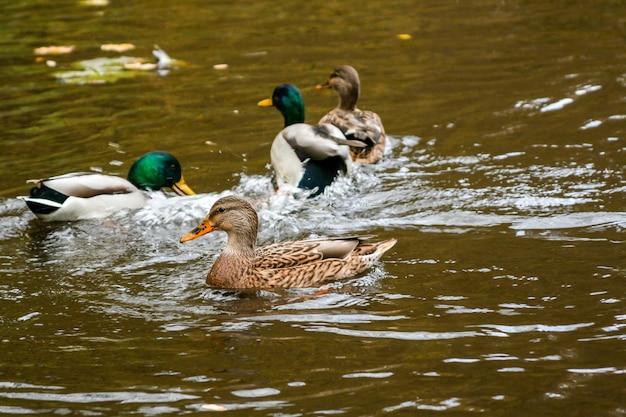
(156, 170)
(288, 100)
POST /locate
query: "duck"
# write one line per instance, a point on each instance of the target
(361, 125)
(303, 263)
(89, 195)
(305, 156)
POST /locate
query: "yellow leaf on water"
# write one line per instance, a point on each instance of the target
(140, 66)
(54, 50)
(117, 47)
(94, 2)
(403, 36)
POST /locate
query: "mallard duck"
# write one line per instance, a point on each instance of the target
(303, 263)
(302, 155)
(86, 195)
(362, 125)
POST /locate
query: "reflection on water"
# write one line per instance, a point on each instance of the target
(502, 181)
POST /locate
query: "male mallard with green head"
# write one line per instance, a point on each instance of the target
(86, 195)
(302, 155)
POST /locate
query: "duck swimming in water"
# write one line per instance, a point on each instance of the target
(86, 195)
(360, 125)
(303, 263)
(306, 156)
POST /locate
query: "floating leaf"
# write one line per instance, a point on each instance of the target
(54, 50)
(141, 66)
(110, 70)
(94, 2)
(403, 36)
(117, 47)
(98, 71)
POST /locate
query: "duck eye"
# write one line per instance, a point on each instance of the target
(221, 210)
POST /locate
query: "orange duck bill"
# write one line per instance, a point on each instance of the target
(202, 229)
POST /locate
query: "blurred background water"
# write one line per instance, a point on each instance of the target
(503, 182)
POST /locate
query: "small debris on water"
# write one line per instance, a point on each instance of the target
(213, 407)
(54, 50)
(140, 66)
(117, 47)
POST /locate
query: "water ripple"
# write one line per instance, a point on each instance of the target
(390, 334)
(123, 397)
(536, 328)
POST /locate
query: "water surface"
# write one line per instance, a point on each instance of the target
(503, 183)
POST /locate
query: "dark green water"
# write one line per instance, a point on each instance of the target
(503, 183)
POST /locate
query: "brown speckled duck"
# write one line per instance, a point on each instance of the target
(363, 125)
(304, 263)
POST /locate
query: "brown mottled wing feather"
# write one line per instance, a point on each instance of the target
(366, 254)
(303, 263)
(305, 275)
(365, 248)
(287, 254)
(309, 262)
(365, 126)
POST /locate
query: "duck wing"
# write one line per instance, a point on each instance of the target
(299, 253)
(364, 126)
(311, 262)
(316, 142)
(303, 263)
(83, 185)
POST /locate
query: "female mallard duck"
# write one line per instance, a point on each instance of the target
(302, 155)
(85, 195)
(304, 263)
(362, 125)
